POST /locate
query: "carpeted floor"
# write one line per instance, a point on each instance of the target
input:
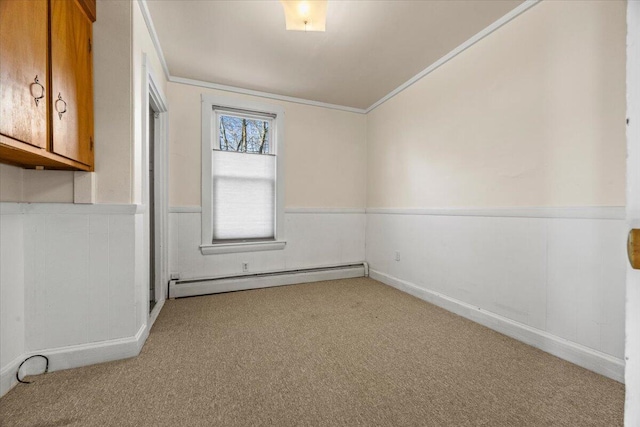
(340, 353)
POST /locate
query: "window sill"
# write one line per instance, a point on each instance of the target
(230, 248)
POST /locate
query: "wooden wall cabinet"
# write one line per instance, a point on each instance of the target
(46, 83)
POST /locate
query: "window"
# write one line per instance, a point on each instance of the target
(242, 186)
(244, 178)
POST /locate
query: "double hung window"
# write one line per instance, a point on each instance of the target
(242, 177)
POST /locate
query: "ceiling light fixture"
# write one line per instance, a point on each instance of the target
(305, 15)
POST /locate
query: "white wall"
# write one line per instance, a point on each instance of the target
(531, 116)
(325, 159)
(29, 185)
(67, 285)
(79, 275)
(113, 108)
(10, 183)
(142, 47)
(325, 166)
(81, 295)
(314, 238)
(12, 304)
(559, 277)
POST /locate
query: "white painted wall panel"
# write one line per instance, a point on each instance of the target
(11, 290)
(78, 279)
(585, 291)
(313, 240)
(562, 276)
(140, 272)
(73, 284)
(66, 242)
(36, 297)
(121, 275)
(98, 323)
(10, 183)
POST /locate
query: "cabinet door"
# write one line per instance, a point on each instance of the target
(23, 59)
(71, 82)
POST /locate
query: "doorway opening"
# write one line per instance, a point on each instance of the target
(153, 297)
(154, 192)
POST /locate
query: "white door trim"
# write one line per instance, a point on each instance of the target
(632, 311)
(153, 96)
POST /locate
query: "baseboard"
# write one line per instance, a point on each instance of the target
(588, 358)
(154, 313)
(8, 375)
(178, 289)
(75, 357)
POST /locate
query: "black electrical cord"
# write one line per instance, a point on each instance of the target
(46, 369)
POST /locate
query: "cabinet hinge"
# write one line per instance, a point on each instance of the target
(89, 45)
(91, 143)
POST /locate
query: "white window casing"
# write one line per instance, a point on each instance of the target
(242, 224)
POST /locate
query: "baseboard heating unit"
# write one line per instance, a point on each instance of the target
(213, 285)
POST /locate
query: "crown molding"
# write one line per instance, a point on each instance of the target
(154, 36)
(260, 94)
(526, 5)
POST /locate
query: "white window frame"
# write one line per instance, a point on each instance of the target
(208, 141)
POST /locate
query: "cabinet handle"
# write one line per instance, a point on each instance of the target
(36, 82)
(60, 113)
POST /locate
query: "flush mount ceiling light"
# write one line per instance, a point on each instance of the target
(305, 15)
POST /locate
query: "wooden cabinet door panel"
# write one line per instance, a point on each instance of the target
(71, 81)
(23, 57)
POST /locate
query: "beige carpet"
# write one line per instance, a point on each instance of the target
(340, 353)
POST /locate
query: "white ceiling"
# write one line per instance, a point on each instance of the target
(369, 47)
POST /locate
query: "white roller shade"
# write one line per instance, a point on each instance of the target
(243, 196)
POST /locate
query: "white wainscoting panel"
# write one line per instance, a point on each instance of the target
(69, 285)
(586, 282)
(141, 269)
(564, 277)
(79, 279)
(11, 294)
(315, 238)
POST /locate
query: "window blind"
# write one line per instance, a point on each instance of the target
(243, 196)
(240, 111)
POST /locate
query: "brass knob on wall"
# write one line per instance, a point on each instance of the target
(633, 248)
